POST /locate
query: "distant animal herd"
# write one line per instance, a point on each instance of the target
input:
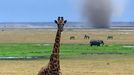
(91, 42)
(94, 42)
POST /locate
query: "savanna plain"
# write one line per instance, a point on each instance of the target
(116, 57)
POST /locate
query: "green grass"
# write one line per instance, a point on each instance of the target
(67, 50)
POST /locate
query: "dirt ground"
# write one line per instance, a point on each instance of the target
(125, 36)
(96, 65)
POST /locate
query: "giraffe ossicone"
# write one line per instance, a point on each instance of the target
(53, 67)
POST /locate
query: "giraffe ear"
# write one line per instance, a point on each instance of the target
(55, 21)
(65, 21)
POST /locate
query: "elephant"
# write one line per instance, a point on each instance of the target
(96, 43)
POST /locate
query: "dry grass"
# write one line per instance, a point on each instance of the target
(48, 35)
(94, 66)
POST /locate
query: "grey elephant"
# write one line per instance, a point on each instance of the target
(96, 42)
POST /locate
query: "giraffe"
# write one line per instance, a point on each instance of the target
(53, 67)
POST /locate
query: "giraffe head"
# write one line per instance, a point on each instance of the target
(60, 23)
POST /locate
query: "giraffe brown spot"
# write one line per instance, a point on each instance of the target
(56, 50)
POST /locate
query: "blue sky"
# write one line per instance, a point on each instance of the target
(128, 12)
(48, 10)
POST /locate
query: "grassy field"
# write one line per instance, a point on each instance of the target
(67, 50)
(77, 57)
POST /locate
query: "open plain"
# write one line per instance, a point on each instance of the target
(95, 65)
(38, 35)
(102, 64)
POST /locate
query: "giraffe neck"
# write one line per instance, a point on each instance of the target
(56, 48)
(54, 62)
